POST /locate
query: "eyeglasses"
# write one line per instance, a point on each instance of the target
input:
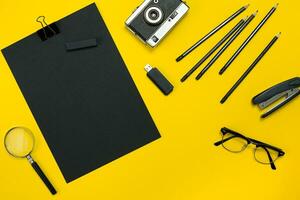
(236, 143)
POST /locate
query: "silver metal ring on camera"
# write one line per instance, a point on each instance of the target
(160, 15)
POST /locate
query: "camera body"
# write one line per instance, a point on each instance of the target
(153, 19)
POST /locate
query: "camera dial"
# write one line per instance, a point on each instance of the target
(154, 15)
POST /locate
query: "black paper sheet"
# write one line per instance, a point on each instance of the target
(85, 102)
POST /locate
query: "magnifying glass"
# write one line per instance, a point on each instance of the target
(19, 143)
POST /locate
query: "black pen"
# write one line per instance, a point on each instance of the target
(229, 42)
(247, 41)
(250, 68)
(231, 32)
(212, 32)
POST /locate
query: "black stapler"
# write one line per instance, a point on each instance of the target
(288, 89)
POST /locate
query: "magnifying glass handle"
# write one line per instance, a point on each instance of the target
(39, 171)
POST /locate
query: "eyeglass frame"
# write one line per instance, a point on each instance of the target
(257, 143)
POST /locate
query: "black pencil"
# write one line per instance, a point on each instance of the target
(228, 43)
(231, 32)
(247, 41)
(235, 86)
(212, 32)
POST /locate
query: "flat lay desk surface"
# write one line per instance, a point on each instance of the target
(184, 163)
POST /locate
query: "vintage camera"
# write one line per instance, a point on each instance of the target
(153, 19)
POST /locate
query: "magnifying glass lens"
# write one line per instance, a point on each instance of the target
(19, 142)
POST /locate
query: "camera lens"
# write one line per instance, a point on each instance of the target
(153, 15)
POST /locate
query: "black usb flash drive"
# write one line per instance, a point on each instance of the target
(159, 80)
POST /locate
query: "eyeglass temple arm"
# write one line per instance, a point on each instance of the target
(218, 143)
(224, 140)
(270, 157)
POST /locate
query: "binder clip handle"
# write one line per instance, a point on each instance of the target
(47, 31)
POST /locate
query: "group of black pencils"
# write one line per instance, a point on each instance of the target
(226, 41)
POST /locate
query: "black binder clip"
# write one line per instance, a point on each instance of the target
(47, 31)
(288, 89)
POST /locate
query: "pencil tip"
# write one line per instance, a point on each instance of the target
(278, 35)
(247, 6)
(277, 4)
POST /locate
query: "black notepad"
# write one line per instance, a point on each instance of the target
(85, 101)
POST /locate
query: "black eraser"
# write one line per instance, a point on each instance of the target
(159, 80)
(82, 44)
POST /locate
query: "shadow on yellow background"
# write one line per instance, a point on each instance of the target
(183, 164)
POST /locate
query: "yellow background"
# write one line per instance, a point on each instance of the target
(183, 164)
